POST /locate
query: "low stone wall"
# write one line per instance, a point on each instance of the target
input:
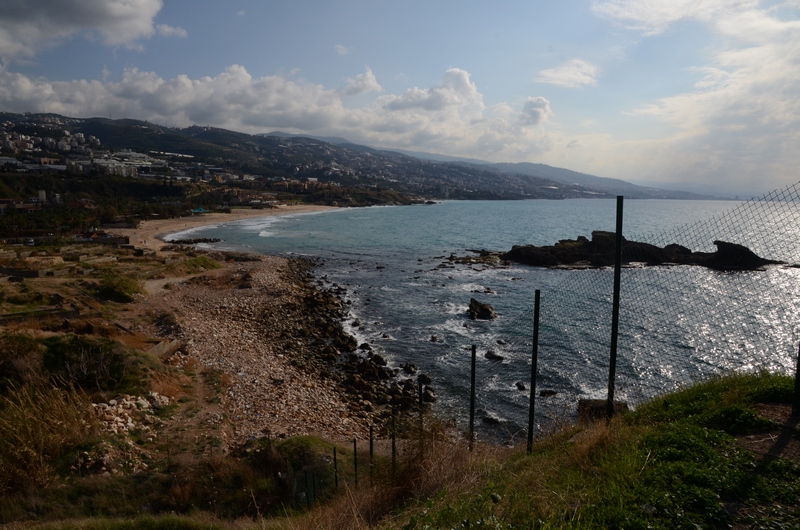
(165, 348)
(25, 273)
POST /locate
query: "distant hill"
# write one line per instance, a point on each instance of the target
(337, 140)
(564, 176)
(608, 185)
(284, 156)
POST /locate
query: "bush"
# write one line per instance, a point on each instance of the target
(200, 264)
(94, 364)
(119, 288)
(20, 360)
(37, 428)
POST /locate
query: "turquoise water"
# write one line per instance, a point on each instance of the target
(678, 324)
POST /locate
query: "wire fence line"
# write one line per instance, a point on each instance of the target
(679, 324)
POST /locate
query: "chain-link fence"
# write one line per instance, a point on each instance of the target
(679, 323)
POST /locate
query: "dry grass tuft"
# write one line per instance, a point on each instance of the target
(445, 463)
(38, 426)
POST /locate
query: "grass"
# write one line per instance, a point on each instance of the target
(118, 288)
(673, 463)
(38, 427)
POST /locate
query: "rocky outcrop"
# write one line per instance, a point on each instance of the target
(599, 252)
(480, 311)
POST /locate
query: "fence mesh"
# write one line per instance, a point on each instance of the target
(679, 324)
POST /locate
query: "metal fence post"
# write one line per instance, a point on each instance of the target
(355, 460)
(394, 444)
(612, 369)
(796, 402)
(335, 470)
(371, 452)
(472, 399)
(534, 360)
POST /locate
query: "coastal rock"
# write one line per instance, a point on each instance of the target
(731, 256)
(378, 359)
(599, 252)
(492, 356)
(480, 311)
(409, 368)
(520, 385)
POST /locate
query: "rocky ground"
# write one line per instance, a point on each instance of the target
(274, 341)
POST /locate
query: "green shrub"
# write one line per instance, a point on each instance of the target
(119, 288)
(94, 364)
(736, 419)
(200, 264)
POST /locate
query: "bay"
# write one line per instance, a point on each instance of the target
(678, 324)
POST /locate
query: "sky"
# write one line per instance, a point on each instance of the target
(692, 94)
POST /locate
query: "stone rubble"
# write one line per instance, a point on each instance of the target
(264, 327)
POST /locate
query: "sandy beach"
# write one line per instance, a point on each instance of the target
(149, 234)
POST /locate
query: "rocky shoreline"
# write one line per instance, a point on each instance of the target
(291, 368)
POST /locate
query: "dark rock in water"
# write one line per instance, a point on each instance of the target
(365, 346)
(434, 338)
(492, 356)
(599, 252)
(501, 342)
(480, 311)
(379, 360)
(424, 379)
(520, 385)
(491, 420)
(409, 368)
(194, 241)
(547, 393)
(731, 256)
(429, 395)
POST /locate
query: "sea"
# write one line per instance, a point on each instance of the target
(678, 324)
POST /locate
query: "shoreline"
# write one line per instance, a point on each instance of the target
(150, 234)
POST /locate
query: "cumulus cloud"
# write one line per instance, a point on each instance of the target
(448, 117)
(534, 111)
(26, 27)
(576, 73)
(361, 84)
(455, 90)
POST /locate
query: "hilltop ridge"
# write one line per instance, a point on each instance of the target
(282, 156)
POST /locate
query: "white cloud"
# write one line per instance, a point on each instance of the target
(740, 123)
(455, 91)
(342, 50)
(240, 14)
(652, 17)
(27, 27)
(535, 111)
(449, 117)
(576, 73)
(170, 31)
(362, 84)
